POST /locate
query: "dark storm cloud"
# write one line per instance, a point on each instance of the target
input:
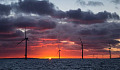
(94, 36)
(6, 26)
(59, 14)
(40, 7)
(37, 7)
(26, 22)
(32, 23)
(9, 26)
(101, 34)
(12, 39)
(10, 35)
(18, 33)
(47, 8)
(94, 32)
(5, 9)
(89, 17)
(90, 3)
(46, 24)
(113, 42)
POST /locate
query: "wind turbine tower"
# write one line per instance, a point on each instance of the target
(59, 49)
(58, 41)
(59, 53)
(110, 50)
(81, 46)
(25, 39)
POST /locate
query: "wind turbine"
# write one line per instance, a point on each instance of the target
(81, 46)
(26, 39)
(58, 41)
(59, 52)
(59, 49)
(110, 50)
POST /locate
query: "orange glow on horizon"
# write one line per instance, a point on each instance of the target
(46, 51)
(65, 57)
(50, 58)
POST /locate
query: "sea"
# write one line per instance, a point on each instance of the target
(59, 64)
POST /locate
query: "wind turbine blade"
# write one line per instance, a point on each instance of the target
(21, 41)
(57, 52)
(81, 41)
(25, 32)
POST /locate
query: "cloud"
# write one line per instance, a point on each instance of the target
(5, 9)
(48, 9)
(10, 27)
(90, 3)
(93, 32)
(81, 2)
(37, 7)
(18, 33)
(42, 7)
(7, 2)
(116, 1)
(43, 20)
(89, 17)
(59, 14)
(33, 23)
(6, 26)
(94, 36)
(97, 39)
(95, 3)
(46, 25)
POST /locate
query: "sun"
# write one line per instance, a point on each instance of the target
(49, 58)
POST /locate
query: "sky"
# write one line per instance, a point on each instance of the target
(75, 4)
(60, 24)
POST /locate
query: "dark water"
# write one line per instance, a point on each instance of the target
(62, 64)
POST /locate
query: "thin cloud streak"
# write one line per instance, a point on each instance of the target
(90, 3)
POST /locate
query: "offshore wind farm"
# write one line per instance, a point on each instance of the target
(59, 35)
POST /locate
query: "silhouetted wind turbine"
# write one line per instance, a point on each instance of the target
(59, 53)
(59, 49)
(58, 43)
(81, 46)
(26, 39)
(110, 50)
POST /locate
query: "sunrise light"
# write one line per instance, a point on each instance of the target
(49, 58)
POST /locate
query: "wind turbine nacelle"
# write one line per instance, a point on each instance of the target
(109, 48)
(26, 38)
